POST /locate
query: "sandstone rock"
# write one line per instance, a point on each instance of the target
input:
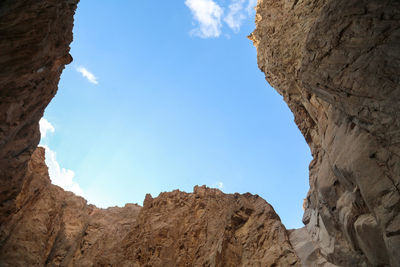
(205, 228)
(34, 47)
(209, 228)
(307, 251)
(369, 239)
(336, 64)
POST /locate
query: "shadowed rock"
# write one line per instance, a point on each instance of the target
(337, 66)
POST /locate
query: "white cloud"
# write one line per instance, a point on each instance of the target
(45, 126)
(61, 176)
(58, 176)
(250, 7)
(87, 74)
(238, 13)
(208, 14)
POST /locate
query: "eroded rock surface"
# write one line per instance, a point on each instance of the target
(52, 225)
(337, 66)
(34, 47)
(42, 225)
(205, 228)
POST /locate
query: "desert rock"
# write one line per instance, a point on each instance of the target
(205, 228)
(337, 66)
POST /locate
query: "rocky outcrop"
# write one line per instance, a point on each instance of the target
(34, 47)
(42, 225)
(336, 64)
(205, 228)
(51, 225)
(209, 228)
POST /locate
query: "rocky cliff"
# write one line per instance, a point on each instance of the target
(336, 64)
(34, 47)
(52, 227)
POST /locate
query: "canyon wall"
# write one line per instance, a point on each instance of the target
(337, 66)
(52, 227)
(34, 47)
(42, 225)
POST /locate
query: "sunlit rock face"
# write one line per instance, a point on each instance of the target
(337, 65)
(52, 226)
(204, 228)
(42, 225)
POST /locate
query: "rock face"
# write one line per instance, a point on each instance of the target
(34, 47)
(51, 225)
(41, 224)
(337, 65)
(208, 228)
(205, 228)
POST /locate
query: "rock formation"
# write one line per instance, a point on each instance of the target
(34, 47)
(52, 227)
(336, 64)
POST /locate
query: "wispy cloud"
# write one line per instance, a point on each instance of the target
(238, 11)
(45, 126)
(250, 7)
(61, 176)
(208, 15)
(58, 176)
(87, 74)
(236, 15)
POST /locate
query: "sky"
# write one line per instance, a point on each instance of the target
(166, 95)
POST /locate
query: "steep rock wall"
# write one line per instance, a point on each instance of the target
(42, 225)
(205, 228)
(34, 47)
(336, 64)
(51, 225)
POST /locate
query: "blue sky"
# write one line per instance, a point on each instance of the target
(167, 94)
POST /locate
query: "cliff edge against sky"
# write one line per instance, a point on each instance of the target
(337, 66)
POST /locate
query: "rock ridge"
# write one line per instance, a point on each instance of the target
(53, 227)
(337, 66)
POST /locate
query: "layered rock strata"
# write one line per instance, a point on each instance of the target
(337, 65)
(205, 228)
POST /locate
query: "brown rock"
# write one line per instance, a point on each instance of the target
(41, 224)
(34, 47)
(204, 228)
(208, 228)
(336, 64)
